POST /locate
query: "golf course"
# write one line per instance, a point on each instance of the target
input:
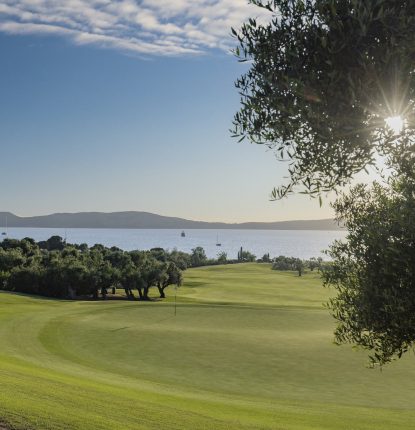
(243, 347)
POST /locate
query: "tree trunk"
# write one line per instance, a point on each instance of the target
(140, 293)
(71, 293)
(161, 291)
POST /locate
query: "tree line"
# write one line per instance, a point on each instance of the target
(297, 264)
(54, 268)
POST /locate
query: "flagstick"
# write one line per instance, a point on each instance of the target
(175, 302)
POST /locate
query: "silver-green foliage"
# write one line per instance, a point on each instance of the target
(323, 76)
(374, 270)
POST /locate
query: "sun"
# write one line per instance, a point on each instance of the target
(395, 123)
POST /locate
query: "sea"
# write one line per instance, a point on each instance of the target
(291, 243)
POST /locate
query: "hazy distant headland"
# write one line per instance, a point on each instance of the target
(147, 220)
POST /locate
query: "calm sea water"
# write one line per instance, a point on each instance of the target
(292, 243)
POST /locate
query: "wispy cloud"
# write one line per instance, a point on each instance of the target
(149, 27)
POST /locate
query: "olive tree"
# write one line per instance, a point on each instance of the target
(330, 87)
(323, 77)
(374, 270)
(170, 275)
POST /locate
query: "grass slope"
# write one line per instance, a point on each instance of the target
(250, 348)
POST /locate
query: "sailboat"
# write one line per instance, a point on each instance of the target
(4, 233)
(217, 241)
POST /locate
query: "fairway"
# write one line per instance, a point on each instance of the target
(249, 348)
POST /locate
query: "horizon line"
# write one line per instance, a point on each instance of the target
(167, 216)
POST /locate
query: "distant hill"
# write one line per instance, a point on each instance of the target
(150, 220)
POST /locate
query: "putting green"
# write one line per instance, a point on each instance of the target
(249, 348)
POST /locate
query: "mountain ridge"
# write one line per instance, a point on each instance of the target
(148, 220)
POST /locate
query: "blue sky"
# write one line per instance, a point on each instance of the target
(128, 107)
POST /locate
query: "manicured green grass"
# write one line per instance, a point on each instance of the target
(253, 285)
(249, 348)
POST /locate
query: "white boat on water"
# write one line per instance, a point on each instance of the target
(4, 233)
(217, 241)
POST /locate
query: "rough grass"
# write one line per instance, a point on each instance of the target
(249, 348)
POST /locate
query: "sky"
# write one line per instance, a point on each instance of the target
(127, 105)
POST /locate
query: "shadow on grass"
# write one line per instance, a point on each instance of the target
(195, 284)
(80, 299)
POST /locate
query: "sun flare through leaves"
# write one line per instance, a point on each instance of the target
(395, 123)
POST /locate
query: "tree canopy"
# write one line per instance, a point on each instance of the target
(58, 269)
(331, 87)
(54, 268)
(323, 77)
(374, 270)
